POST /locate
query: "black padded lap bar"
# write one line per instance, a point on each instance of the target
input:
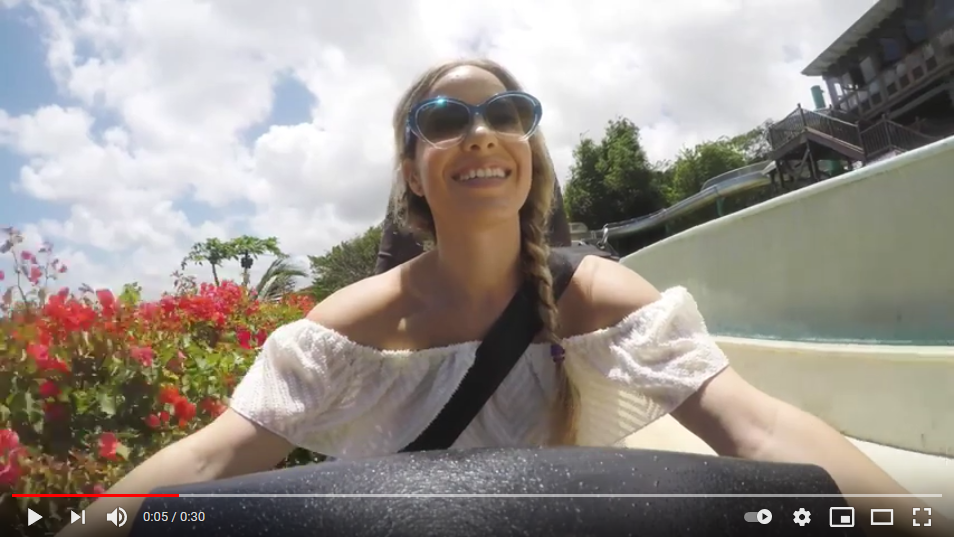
(507, 471)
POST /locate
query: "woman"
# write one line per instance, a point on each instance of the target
(474, 174)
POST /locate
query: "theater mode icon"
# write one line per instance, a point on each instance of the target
(882, 517)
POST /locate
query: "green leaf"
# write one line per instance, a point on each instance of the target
(107, 404)
(29, 404)
(80, 402)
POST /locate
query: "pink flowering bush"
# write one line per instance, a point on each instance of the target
(92, 383)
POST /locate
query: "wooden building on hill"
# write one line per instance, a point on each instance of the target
(890, 82)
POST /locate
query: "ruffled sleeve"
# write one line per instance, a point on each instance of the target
(322, 391)
(642, 368)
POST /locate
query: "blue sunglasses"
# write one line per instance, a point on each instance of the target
(443, 122)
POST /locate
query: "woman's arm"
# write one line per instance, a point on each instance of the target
(228, 447)
(736, 419)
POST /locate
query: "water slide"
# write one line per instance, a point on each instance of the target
(839, 299)
(721, 186)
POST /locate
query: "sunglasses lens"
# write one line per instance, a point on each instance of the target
(512, 115)
(443, 121)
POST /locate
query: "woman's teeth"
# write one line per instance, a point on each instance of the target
(481, 173)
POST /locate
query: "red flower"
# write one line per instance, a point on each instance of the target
(107, 301)
(35, 274)
(49, 389)
(10, 449)
(164, 416)
(64, 292)
(107, 446)
(184, 410)
(38, 352)
(212, 406)
(41, 354)
(26, 256)
(152, 421)
(96, 489)
(62, 269)
(2, 275)
(243, 336)
(168, 395)
(261, 336)
(9, 442)
(143, 355)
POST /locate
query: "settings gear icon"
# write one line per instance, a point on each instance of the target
(802, 517)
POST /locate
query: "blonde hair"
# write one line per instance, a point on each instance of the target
(412, 212)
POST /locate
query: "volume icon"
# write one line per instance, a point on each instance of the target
(117, 516)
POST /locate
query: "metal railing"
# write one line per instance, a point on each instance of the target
(886, 135)
(795, 124)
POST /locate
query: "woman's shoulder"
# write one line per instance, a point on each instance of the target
(367, 312)
(601, 294)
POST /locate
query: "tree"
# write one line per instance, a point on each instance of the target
(216, 252)
(754, 144)
(586, 196)
(613, 180)
(692, 168)
(279, 280)
(351, 261)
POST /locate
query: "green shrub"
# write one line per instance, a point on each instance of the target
(92, 384)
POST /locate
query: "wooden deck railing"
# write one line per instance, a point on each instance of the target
(886, 135)
(795, 124)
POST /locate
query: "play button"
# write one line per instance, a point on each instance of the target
(32, 517)
(764, 516)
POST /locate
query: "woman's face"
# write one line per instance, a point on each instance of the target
(449, 178)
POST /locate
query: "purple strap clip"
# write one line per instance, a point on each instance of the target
(557, 352)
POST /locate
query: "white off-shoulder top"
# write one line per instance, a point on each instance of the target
(326, 393)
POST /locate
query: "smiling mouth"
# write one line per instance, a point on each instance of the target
(482, 173)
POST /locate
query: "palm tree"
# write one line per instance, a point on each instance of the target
(279, 280)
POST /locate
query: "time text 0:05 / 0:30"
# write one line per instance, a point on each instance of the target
(173, 516)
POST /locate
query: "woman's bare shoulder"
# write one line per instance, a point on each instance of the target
(368, 311)
(602, 293)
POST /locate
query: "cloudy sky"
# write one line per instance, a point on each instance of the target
(131, 129)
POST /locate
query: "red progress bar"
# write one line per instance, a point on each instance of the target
(95, 495)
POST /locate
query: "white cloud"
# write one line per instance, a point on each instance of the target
(168, 90)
